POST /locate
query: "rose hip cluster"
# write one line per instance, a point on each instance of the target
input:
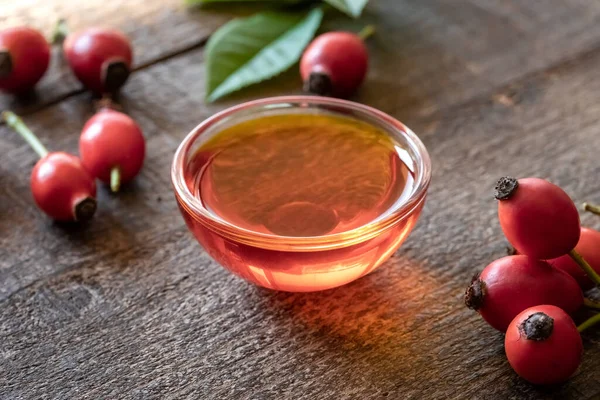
(531, 295)
(111, 144)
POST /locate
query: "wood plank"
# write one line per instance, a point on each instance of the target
(130, 307)
(433, 53)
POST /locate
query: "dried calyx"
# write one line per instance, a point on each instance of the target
(475, 293)
(505, 187)
(511, 251)
(319, 83)
(85, 209)
(537, 327)
(115, 75)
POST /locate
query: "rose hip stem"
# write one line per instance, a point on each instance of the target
(115, 179)
(366, 32)
(589, 323)
(594, 209)
(591, 304)
(587, 268)
(61, 30)
(16, 123)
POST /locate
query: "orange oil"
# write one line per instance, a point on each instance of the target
(300, 175)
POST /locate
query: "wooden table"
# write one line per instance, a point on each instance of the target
(130, 307)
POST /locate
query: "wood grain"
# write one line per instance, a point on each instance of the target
(131, 307)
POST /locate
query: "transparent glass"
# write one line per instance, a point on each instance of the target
(301, 264)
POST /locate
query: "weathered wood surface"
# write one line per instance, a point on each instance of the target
(131, 307)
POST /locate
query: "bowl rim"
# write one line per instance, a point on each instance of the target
(196, 209)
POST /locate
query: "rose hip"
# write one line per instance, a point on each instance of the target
(543, 345)
(112, 147)
(335, 63)
(589, 248)
(538, 218)
(100, 58)
(511, 284)
(24, 59)
(60, 185)
(62, 188)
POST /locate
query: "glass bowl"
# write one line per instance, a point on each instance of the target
(301, 264)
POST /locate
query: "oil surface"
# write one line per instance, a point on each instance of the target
(300, 175)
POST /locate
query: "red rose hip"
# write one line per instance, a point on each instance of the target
(62, 188)
(543, 345)
(511, 284)
(24, 59)
(335, 63)
(112, 147)
(537, 217)
(100, 58)
(60, 185)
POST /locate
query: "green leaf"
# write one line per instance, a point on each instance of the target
(194, 2)
(197, 2)
(250, 50)
(351, 7)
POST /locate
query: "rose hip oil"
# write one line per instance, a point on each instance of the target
(301, 176)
